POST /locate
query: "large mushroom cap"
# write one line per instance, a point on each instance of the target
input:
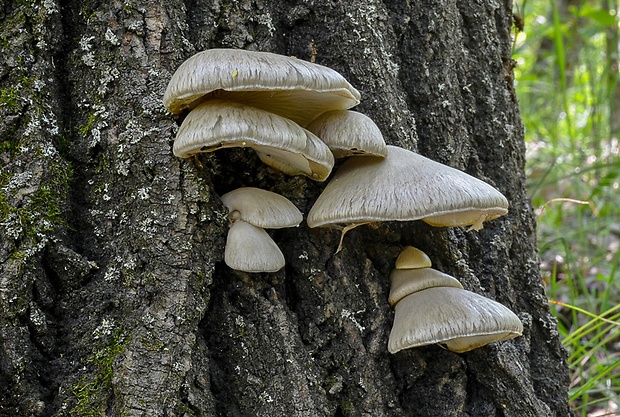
(279, 142)
(404, 186)
(251, 249)
(261, 208)
(216, 124)
(458, 319)
(296, 89)
(408, 281)
(349, 133)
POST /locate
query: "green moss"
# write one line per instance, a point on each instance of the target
(85, 128)
(9, 97)
(93, 392)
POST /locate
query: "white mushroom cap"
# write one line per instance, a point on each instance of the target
(404, 186)
(295, 89)
(408, 281)
(279, 142)
(349, 133)
(458, 319)
(412, 258)
(217, 124)
(261, 208)
(251, 249)
(315, 161)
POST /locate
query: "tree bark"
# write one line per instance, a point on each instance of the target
(115, 298)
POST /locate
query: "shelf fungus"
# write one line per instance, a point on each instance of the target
(349, 133)
(279, 142)
(404, 186)
(249, 247)
(287, 86)
(432, 307)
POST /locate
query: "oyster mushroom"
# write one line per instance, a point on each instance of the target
(412, 258)
(349, 133)
(287, 86)
(249, 247)
(432, 307)
(458, 319)
(404, 186)
(279, 142)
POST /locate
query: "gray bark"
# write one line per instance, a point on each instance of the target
(115, 299)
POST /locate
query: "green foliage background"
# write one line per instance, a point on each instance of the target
(567, 83)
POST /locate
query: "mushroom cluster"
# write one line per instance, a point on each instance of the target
(259, 100)
(264, 101)
(432, 307)
(295, 115)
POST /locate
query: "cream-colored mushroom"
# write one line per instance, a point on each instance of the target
(457, 319)
(261, 208)
(279, 142)
(404, 186)
(251, 249)
(349, 133)
(409, 281)
(412, 258)
(248, 247)
(293, 88)
(432, 307)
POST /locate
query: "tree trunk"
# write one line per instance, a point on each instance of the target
(115, 299)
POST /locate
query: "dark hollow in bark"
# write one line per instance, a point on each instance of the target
(115, 298)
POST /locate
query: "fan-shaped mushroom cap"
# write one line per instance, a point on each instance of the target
(458, 319)
(251, 249)
(349, 133)
(404, 186)
(407, 281)
(261, 208)
(217, 124)
(412, 258)
(315, 161)
(295, 89)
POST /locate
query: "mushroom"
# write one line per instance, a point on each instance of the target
(279, 142)
(315, 161)
(458, 319)
(293, 88)
(412, 258)
(432, 307)
(261, 208)
(248, 246)
(409, 281)
(251, 249)
(349, 133)
(404, 186)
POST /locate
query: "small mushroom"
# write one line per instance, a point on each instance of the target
(248, 247)
(293, 88)
(261, 208)
(409, 281)
(412, 258)
(279, 142)
(349, 133)
(402, 187)
(458, 319)
(251, 249)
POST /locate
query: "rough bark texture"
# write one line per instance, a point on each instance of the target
(114, 296)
